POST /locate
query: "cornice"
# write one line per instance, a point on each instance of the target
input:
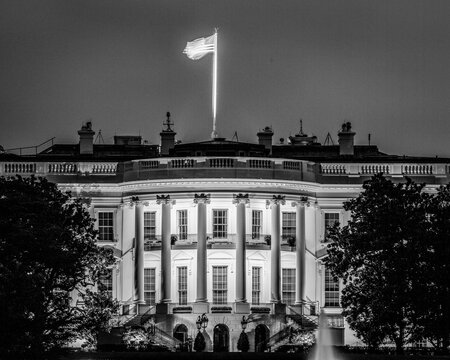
(195, 185)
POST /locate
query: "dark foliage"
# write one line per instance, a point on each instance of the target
(199, 342)
(243, 343)
(48, 255)
(393, 259)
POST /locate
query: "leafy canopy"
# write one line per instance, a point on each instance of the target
(380, 255)
(48, 255)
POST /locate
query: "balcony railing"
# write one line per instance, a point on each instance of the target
(394, 169)
(223, 167)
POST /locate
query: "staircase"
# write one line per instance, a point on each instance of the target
(305, 315)
(303, 319)
(139, 319)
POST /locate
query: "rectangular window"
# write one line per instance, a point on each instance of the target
(106, 226)
(288, 224)
(330, 220)
(182, 285)
(149, 286)
(220, 293)
(149, 228)
(256, 285)
(182, 224)
(106, 283)
(220, 224)
(256, 224)
(331, 290)
(288, 286)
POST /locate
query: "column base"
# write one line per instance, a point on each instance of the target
(162, 308)
(241, 308)
(279, 308)
(297, 308)
(200, 308)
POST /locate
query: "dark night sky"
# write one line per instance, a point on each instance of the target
(383, 65)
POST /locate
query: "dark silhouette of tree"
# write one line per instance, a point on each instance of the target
(433, 301)
(48, 257)
(199, 342)
(243, 343)
(380, 255)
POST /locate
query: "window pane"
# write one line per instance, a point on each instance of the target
(106, 226)
(149, 286)
(288, 286)
(220, 293)
(256, 224)
(182, 224)
(182, 285)
(149, 228)
(256, 285)
(330, 220)
(331, 290)
(105, 283)
(288, 224)
(220, 224)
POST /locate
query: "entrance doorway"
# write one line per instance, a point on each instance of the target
(261, 337)
(221, 338)
(181, 333)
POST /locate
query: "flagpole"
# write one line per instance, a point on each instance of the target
(214, 90)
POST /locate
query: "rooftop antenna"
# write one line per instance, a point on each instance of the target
(99, 138)
(235, 136)
(368, 136)
(328, 140)
(301, 127)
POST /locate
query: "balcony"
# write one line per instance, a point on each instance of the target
(229, 242)
(391, 169)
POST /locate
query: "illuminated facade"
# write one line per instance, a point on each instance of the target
(222, 228)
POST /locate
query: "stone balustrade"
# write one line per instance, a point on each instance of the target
(196, 167)
(394, 169)
(58, 168)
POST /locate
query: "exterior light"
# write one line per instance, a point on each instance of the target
(244, 323)
(199, 323)
(204, 321)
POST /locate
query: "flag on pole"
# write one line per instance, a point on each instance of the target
(198, 48)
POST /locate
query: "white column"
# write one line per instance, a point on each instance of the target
(139, 250)
(240, 200)
(166, 271)
(201, 201)
(300, 250)
(275, 248)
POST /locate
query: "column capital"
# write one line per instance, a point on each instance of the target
(134, 200)
(202, 198)
(240, 199)
(164, 199)
(302, 202)
(276, 200)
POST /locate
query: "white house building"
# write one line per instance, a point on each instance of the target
(222, 228)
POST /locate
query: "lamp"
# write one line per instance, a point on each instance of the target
(244, 323)
(204, 321)
(199, 323)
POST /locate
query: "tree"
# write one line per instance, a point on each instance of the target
(378, 255)
(199, 342)
(434, 305)
(243, 343)
(48, 254)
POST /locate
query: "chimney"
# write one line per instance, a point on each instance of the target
(167, 137)
(346, 139)
(265, 138)
(86, 139)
